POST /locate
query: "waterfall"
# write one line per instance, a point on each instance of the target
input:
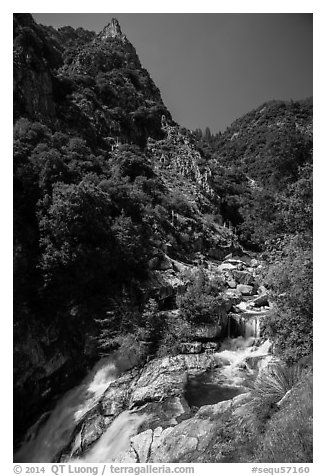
(54, 431)
(44, 441)
(246, 324)
(115, 439)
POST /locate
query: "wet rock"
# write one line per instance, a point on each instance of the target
(116, 397)
(252, 362)
(188, 440)
(165, 414)
(92, 429)
(166, 377)
(86, 433)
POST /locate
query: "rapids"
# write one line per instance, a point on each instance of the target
(52, 433)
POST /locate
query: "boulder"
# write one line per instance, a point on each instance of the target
(261, 300)
(160, 379)
(231, 283)
(244, 289)
(166, 377)
(208, 331)
(211, 346)
(226, 267)
(243, 277)
(242, 306)
(189, 440)
(190, 347)
(165, 263)
(163, 284)
(262, 290)
(238, 263)
(141, 444)
(180, 267)
(233, 294)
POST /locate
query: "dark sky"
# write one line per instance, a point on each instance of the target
(213, 68)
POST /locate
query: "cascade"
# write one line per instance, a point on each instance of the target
(115, 439)
(48, 437)
(44, 441)
(245, 325)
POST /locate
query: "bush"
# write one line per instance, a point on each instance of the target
(289, 324)
(175, 328)
(202, 302)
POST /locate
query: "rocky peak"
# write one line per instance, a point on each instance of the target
(24, 19)
(112, 30)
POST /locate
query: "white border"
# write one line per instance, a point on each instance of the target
(277, 6)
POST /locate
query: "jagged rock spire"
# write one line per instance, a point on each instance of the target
(112, 30)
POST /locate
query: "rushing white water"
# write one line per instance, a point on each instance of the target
(52, 433)
(43, 442)
(115, 440)
(235, 352)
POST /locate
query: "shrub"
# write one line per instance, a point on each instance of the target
(175, 328)
(289, 324)
(202, 302)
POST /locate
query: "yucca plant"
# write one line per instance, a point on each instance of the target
(271, 385)
(269, 388)
(289, 433)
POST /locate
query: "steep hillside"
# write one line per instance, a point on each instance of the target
(255, 165)
(92, 85)
(270, 143)
(96, 210)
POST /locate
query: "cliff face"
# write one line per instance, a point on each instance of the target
(34, 62)
(69, 77)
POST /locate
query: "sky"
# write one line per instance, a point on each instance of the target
(213, 68)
